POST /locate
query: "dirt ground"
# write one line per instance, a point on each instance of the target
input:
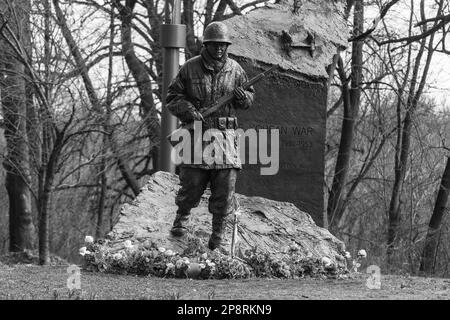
(37, 282)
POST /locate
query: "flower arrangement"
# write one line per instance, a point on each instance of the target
(198, 262)
(355, 264)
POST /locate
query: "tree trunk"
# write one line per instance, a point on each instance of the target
(21, 227)
(209, 12)
(140, 75)
(45, 185)
(102, 198)
(431, 242)
(220, 11)
(14, 105)
(142, 78)
(106, 125)
(155, 20)
(343, 157)
(351, 99)
(45, 202)
(399, 176)
(188, 20)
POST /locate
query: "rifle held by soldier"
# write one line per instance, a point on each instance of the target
(221, 102)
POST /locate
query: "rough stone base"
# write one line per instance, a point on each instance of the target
(269, 225)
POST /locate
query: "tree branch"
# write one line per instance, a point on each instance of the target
(234, 7)
(375, 22)
(419, 36)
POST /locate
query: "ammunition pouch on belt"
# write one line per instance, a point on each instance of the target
(221, 123)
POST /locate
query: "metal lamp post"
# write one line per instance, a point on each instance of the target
(173, 37)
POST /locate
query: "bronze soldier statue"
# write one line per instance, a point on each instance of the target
(200, 82)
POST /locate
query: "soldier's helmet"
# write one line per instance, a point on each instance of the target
(216, 32)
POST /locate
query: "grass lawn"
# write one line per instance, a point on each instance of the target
(30, 281)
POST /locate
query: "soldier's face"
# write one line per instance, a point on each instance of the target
(216, 49)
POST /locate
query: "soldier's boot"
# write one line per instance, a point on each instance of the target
(180, 223)
(218, 226)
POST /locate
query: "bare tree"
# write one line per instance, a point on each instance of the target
(141, 76)
(15, 19)
(103, 179)
(402, 149)
(351, 100)
(80, 62)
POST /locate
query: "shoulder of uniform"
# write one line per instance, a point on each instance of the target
(233, 62)
(235, 65)
(193, 61)
(192, 64)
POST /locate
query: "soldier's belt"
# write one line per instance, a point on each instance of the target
(221, 123)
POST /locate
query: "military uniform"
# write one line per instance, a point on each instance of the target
(200, 82)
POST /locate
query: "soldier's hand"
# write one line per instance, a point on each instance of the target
(239, 93)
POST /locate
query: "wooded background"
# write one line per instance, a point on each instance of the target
(80, 89)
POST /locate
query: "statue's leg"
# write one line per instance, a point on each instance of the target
(221, 202)
(193, 183)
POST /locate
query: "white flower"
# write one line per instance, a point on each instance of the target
(212, 264)
(362, 253)
(83, 251)
(202, 265)
(347, 255)
(117, 256)
(128, 244)
(204, 256)
(179, 263)
(170, 265)
(169, 253)
(326, 261)
(89, 239)
(208, 262)
(356, 265)
(161, 249)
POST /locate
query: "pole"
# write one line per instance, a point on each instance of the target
(173, 37)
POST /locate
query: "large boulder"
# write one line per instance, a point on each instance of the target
(268, 225)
